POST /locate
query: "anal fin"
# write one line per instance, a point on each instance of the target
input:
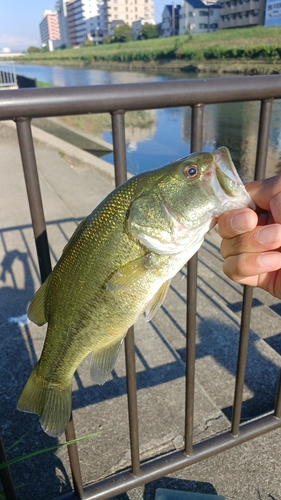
(103, 361)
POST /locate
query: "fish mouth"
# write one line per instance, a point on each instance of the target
(227, 175)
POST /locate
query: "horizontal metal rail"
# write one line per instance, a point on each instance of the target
(34, 103)
(177, 460)
(22, 106)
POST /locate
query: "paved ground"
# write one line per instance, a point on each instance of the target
(72, 184)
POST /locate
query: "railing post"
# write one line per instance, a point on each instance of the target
(260, 167)
(195, 145)
(42, 246)
(5, 476)
(120, 168)
(34, 195)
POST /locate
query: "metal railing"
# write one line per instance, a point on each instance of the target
(22, 106)
(8, 77)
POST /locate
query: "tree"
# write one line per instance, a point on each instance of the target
(123, 33)
(32, 49)
(148, 31)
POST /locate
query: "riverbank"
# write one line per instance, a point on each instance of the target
(254, 50)
(242, 67)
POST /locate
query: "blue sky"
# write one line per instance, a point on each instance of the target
(20, 19)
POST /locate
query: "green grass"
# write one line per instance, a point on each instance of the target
(43, 85)
(260, 43)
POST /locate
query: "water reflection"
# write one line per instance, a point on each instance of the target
(164, 135)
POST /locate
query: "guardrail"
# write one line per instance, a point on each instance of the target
(8, 77)
(22, 106)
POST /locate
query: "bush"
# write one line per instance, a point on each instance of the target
(123, 33)
(88, 43)
(148, 31)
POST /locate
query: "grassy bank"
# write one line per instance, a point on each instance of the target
(245, 50)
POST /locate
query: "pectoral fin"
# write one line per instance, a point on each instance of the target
(36, 311)
(103, 361)
(130, 273)
(157, 301)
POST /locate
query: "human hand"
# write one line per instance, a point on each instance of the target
(251, 244)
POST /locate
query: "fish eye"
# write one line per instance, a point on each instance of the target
(191, 171)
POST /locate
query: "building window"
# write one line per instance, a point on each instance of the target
(203, 13)
(203, 26)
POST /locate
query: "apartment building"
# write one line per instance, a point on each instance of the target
(83, 20)
(239, 13)
(198, 17)
(127, 11)
(62, 19)
(49, 29)
(71, 25)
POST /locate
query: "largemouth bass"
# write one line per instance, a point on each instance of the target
(119, 264)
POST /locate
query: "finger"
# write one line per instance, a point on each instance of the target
(261, 239)
(235, 222)
(246, 268)
(267, 194)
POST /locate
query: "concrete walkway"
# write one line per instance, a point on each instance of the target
(72, 184)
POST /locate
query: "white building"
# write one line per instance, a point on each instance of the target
(83, 21)
(136, 26)
(170, 20)
(127, 11)
(272, 13)
(197, 17)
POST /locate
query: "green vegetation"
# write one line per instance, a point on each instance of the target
(123, 33)
(148, 31)
(43, 85)
(260, 44)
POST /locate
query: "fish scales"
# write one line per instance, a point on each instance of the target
(117, 265)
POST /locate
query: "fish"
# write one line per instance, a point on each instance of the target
(118, 265)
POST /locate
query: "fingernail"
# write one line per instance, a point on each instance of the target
(272, 260)
(269, 234)
(242, 222)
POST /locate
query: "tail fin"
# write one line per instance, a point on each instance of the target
(52, 402)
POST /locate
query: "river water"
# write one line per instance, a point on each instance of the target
(164, 134)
